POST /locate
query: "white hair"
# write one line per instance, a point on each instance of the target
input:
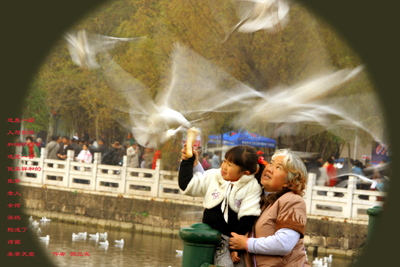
(291, 162)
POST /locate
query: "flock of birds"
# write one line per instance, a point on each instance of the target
(322, 262)
(100, 238)
(97, 237)
(154, 121)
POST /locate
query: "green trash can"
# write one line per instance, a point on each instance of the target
(374, 214)
(199, 241)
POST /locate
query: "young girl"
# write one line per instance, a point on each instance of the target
(231, 196)
(85, 155)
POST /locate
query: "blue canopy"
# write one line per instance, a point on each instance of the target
(243, 138)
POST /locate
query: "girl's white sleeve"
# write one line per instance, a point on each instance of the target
(199, 184)
(280, 244)
(198, 168)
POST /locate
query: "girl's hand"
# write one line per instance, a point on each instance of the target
(237, 242)
(235, 256)
(184, 157)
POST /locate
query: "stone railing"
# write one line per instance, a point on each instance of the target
(321, 200)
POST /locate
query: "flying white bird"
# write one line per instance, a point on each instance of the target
(307, 103)
(255, 15)
(83, 47)
(196, 88)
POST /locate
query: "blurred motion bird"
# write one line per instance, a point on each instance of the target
(195, 88)
(270, 15)
(83, 47)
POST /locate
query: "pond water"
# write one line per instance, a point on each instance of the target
(139, 249)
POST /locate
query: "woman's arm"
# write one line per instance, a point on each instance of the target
(280, 244)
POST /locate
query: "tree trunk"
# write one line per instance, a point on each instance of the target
(97, 126)
(348, 147)
(308, 146)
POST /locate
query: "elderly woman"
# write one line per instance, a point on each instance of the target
(277, 236)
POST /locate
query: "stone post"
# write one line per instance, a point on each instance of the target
(350, 193)
(121, 188)
(70, 157)
(156, 186)
(97, 160)
(43, 156)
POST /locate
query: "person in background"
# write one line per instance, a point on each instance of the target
(313, 167)
(157, 155)
(39, 145)
(59, 140)
(92, 148)
(52, 147)
(331, 170)
(31, 150)
(102, 147)
(84, 156)
(148, 158)
(357, 168)
(205, 163)
(74, 145)
(215, 164)
(80, 145)
(62, 152)
(85, 136)
(133, 154)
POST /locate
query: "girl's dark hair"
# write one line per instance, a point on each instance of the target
(244, 156)
(29, 138)
(330, 160)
